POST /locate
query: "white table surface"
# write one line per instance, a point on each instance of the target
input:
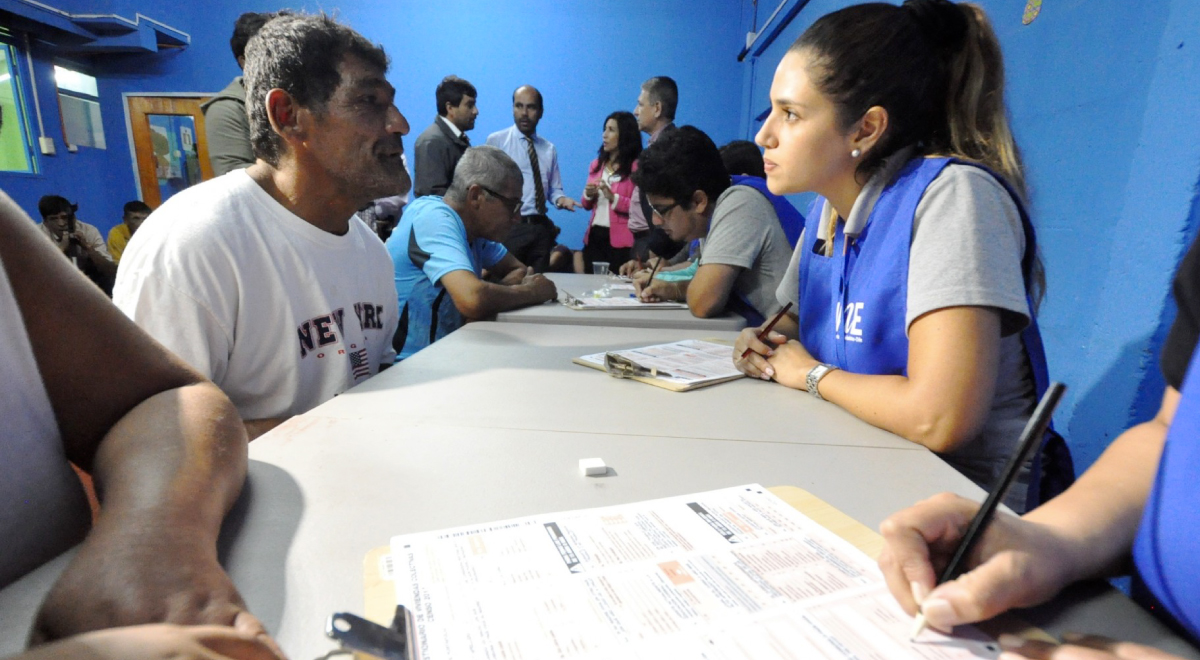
(501, 375)
(327, 487)
(630, 318)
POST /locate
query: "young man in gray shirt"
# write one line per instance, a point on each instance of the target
(743, 250)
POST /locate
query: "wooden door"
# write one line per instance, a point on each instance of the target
(168, 139)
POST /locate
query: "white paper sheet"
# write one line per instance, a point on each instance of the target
(733, 573)
(690, 362)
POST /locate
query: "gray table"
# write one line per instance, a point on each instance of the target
(328, 486)
(525, 375)
(631, 318)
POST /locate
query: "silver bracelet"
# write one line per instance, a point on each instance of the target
(814, 378)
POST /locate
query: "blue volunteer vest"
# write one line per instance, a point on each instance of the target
(853, 303)
(1166, 551)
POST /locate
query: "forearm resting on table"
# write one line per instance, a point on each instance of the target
(946, 397)
(197, 465)
(1101, 512)
(478, 300)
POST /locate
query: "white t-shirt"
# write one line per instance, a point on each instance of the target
(278, 313)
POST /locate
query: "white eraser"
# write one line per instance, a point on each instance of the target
(592, 467)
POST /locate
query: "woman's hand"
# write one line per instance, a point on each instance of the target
(602, 186)
(590, 191)
(1017, 563)
(790, 365)
(1081, 647)
(160, 642)
(755, 364)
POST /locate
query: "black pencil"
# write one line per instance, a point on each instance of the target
(652, 272)
(769, 327)
(1031, 439)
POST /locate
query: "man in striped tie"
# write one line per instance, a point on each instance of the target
(532, 240)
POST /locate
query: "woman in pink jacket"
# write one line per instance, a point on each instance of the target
(608, 190)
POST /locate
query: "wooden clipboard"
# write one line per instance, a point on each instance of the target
(380, 591)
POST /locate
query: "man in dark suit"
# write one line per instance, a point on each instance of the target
(441, 145)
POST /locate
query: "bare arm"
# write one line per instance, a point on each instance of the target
(478, 300)
(953, 361)
(710, 289)
(1085, 532)
(508, 266)
(166, 447)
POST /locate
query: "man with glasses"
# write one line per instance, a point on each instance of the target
(443, 245)
(744, 252)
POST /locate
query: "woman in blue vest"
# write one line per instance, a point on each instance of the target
(917, 265)
(1139, 498)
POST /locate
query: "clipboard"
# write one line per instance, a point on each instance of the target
(379, 589)
(627, 369)
(584, 304)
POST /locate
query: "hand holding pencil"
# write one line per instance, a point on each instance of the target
(754, 346)
(951, 561)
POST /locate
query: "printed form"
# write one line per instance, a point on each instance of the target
(689, 362)
(729, 574)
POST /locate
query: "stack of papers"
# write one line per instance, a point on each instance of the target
(729, 574)
(679, 366)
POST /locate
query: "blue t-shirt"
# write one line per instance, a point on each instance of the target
(430, 242)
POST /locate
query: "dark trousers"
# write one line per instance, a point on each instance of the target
(532, 240)
(599, 248)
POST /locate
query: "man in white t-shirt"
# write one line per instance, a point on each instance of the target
(262, 279)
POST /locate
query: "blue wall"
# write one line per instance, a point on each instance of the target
(588, 58)
(1103, 102)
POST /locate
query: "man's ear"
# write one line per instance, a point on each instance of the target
(285, 115)
(700, 201)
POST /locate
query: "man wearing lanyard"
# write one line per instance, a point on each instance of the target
(532, 240)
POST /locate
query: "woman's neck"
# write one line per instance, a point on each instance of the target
(843, 197)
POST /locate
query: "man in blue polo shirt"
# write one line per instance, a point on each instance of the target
(442, 246)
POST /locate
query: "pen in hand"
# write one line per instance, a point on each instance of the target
(650, 281)
(762, 335)
(1031, 439)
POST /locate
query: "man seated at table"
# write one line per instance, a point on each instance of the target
(132, 217)
(165, 446)
(442, 245)
(262, 279)
(743, 250)
(78, 240)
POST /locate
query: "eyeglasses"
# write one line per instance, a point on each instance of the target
(662, 211)
(514, 205)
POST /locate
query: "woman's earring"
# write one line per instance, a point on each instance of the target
(856, 153)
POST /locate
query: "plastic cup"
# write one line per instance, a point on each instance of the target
(600, 268)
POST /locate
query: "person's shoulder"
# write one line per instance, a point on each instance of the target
(119, 231)
(744, 199)
(224, 206)
(498, 137)
(430, 211)
(967, 179)
(431, 132)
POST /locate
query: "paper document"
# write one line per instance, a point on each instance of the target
(729, 574)
(622, 300)
(690, 363)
